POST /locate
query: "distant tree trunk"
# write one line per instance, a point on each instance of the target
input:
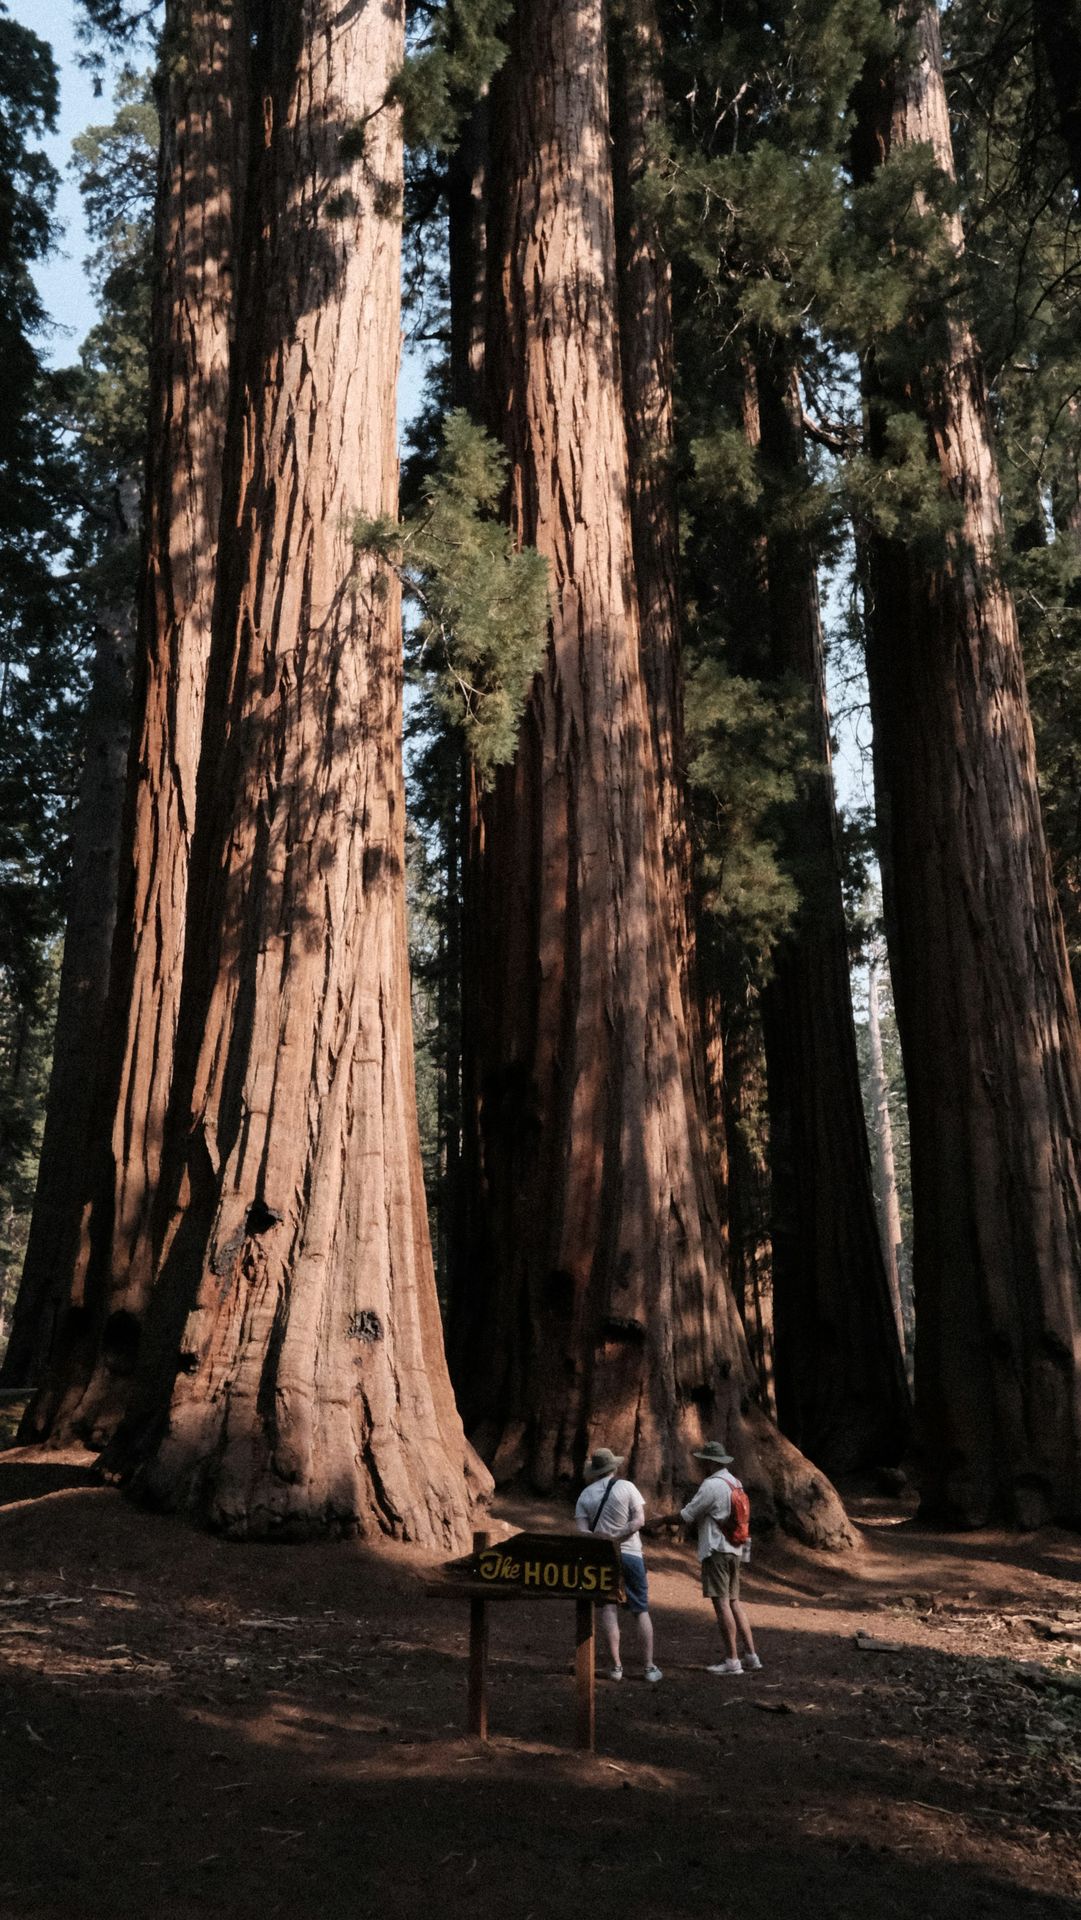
(744, 1094)
(600, 1310)
(841, 1390)
(467, 202)
(293, 1380)
(1058, 27)
(62, 1198)
(889, 1210)
(985, 1005)
(101, 1285)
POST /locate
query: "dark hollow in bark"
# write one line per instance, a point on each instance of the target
(985, 1005)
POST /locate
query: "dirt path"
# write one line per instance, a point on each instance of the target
(190, 1728)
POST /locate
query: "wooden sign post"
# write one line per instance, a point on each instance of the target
(478, 1656)
(535, 1566)
(585, 1678)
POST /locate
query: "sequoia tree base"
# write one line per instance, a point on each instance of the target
(240, 1494)
(786, 1490)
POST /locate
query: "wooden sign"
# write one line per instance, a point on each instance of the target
(554, 1566)
(535, 1566)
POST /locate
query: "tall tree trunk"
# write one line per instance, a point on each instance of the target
(647, 363)
(743, 1092)
(62, 1197)
(600, 1309)
(103, 1282)
(889, 1210)
(646, 347)
(841, 1390)
(293, 1380)
(985, 1005)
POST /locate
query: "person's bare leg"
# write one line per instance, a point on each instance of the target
(743, 1625)
(726, 1622)
(609, 1625)
(645, 1636)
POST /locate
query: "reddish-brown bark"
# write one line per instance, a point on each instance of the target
(103, 1280)
(985, 1005)
(646, 358)
(293, 1378)
(841, 1390)
(598, 1308)
(647, 362)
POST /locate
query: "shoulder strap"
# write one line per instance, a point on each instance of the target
(602, 1503)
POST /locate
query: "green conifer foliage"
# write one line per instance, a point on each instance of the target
(42, 674)
(482, 607)
(68, 559)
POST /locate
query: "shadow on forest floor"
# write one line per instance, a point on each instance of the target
(189, 1726)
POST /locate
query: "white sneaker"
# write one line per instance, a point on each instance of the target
(727, 1666)
(653, 1673)
(751, 1663)
(614, 1673)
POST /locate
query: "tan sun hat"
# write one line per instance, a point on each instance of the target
(602, 1461)
(713, 1450)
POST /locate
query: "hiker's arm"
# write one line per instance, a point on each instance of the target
(679, 1518)
(634, 1525)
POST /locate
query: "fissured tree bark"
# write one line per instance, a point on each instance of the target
(292, 1380)
(985, 1005)
(841, 1389)
(598, 1307)
(99, 1280)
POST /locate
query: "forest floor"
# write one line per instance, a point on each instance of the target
(189, 1727)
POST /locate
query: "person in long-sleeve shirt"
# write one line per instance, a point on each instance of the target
(721, 1559)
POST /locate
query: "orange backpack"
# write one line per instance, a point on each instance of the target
(737, 1526)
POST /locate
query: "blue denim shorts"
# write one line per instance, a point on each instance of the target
(634, 1579)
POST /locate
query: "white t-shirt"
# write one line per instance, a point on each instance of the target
(623, 1507)
(710, 1505)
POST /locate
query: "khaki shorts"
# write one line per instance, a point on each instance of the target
(720, 1575)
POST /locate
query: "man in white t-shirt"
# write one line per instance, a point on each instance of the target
(720, 1559)
(614, 1510)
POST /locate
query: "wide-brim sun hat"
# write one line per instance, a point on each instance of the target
(602, 1461)
(713, 1450)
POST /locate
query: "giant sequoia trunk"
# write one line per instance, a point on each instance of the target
(599, 1308)
(647, 363)
(985, 1005)
(293, 1378)
(646, 350)
(101, 1277)
(841, 1390)
(65, 1169)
